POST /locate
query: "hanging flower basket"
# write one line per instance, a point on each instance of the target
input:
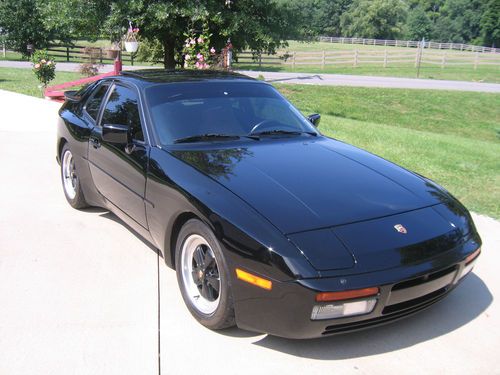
(130, 39)
(131, 46)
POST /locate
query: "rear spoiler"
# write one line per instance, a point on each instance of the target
(72, 96)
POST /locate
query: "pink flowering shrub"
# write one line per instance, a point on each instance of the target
(197, 52)
(43, 67)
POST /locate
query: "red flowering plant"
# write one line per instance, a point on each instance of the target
(197, 52)
(43, 67)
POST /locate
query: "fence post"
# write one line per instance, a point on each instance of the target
(355, 57)
(443, 60)
(4, 51)
(476, 60)
(323, 60)
(385, 58)
(67, 54)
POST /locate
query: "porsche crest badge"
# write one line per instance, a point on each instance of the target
(400, 228)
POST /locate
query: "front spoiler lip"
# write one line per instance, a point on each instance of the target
(287, 314)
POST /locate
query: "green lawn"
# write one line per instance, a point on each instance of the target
(24, 81)
(450, 137)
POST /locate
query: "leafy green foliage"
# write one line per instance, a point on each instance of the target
(418, 25)
(381, 19)
(43, 67)
(22, 24)
(73, 19)
(261, 25)
(490, 24)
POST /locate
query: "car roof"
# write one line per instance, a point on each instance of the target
(146, 77)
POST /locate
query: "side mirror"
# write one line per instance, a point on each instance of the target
(115, 133)
(315, 119)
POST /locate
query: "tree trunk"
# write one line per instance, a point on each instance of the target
(169, 52)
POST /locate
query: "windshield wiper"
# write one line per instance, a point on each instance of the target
(280, 131)
(206, 137)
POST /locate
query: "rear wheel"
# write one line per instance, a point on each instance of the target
(203, 276)
(70, 181)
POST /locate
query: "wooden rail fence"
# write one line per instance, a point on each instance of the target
(382, 57)
(82, 54)
(408, 43)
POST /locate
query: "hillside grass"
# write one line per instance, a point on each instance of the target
(450, 137)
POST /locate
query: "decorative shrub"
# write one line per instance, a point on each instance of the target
(43, 67)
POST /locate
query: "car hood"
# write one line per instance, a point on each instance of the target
(303, 183)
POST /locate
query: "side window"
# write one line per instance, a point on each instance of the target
(94, 103)
(122, 108)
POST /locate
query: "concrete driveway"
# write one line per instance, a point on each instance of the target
(82, 294)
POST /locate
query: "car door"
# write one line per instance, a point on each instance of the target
(119, 171)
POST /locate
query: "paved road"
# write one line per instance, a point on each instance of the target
(81, 294)
(321, 79)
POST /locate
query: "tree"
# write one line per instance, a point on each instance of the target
(22, 24)
(418, 25)
(459, 21)
(74, 19)
(381, 19)
(490, 24)
(261, 25)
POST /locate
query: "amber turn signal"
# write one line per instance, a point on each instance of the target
(253, 279)
(347, 294)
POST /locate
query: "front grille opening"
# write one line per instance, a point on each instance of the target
(417, 306)
(424, 278)
(414, 302)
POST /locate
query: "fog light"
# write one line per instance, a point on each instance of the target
(340, 310)
(467, 269)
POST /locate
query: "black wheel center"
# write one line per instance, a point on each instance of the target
(205, 273)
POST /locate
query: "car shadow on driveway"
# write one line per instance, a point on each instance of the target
(461, 306)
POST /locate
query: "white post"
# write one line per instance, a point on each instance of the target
(355, 57)
(4, 50)
(443, 61)
(323, 60)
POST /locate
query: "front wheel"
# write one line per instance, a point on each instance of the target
(70, 180)
(203, 276)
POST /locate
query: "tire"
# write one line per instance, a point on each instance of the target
(70, 181)
(199, 263)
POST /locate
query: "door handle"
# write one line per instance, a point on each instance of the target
(95, 142)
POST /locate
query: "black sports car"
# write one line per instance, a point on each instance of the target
(269, 224)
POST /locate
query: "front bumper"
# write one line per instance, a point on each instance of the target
(286, 310)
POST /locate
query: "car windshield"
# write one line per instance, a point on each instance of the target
(211, 111)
